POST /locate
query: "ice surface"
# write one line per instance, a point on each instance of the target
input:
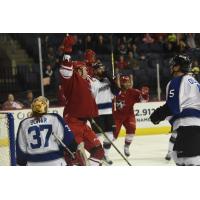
(145, 151)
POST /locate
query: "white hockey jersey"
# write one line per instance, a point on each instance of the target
(36, 143)
(103, 96)
(183, 100)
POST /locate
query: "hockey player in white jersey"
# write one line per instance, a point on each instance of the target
(42, 137)
(104, 89)
(182, 109)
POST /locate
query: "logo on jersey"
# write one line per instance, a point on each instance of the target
(120, 105)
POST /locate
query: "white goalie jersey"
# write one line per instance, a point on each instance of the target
(36, 143)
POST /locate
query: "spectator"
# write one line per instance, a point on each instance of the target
(148, 39)
(181, 43)
(101, 47)
(48, 71)
(49, 78)
(29, 98)
(78, 47)
(129, 47)
(50, 56)
(157, 46)
(122, 49)
(172, 38)
(124, 40)
(121, 64)
(197, 40)
(88, 42)
(135, 52)
(132, 62)
(11, 104)
(191, 40)
(170, 48)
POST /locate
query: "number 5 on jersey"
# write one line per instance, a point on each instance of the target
(171, 93)
(36, 131)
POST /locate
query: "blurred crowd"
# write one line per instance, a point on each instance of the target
(135, 54)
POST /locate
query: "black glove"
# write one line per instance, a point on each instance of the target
(113, 85)
(160, 114)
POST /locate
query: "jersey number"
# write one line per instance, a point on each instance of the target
(171, 93)
(36, 131)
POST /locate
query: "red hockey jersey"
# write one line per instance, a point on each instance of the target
(80, 102)
(126, 100)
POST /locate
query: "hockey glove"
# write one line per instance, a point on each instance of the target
(160, 114)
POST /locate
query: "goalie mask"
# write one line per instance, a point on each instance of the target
(40, 105)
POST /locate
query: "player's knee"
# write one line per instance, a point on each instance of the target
(131, 130)
(97, 152)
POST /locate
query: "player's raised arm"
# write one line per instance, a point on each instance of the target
(66, 69)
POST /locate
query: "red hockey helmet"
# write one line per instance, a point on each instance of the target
(124, 79)
(90, 56)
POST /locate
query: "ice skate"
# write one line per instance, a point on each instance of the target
(126, 151)
(107, 160)
(168, 156)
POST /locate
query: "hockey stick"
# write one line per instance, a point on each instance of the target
(63, 145)
(80, 148)
(112, 56)
(83, 154)
(101, 131)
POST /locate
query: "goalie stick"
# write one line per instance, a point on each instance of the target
(80, 148)
(63, 145)
(100, 130)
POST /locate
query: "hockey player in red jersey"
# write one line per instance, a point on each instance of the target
(90, 59)
(123, 114)
(80, 106)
